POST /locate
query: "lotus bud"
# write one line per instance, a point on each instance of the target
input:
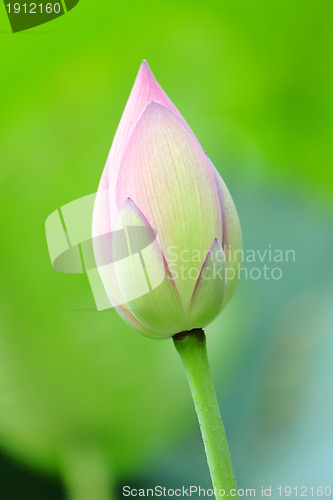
(172, 253)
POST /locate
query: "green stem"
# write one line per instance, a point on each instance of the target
(191, 347)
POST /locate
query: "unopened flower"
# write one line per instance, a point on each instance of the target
(159, 179)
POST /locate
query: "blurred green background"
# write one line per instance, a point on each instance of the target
(87, 404)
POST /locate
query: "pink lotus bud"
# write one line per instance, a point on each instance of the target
(158, 179)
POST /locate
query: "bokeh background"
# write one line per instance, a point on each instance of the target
(86, 404)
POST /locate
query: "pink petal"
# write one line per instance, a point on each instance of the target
(145, 89)
(148, 291)
(231, 234)
(167, 174)
(210, 289)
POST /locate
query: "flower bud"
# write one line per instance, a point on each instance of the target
(158, 181)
